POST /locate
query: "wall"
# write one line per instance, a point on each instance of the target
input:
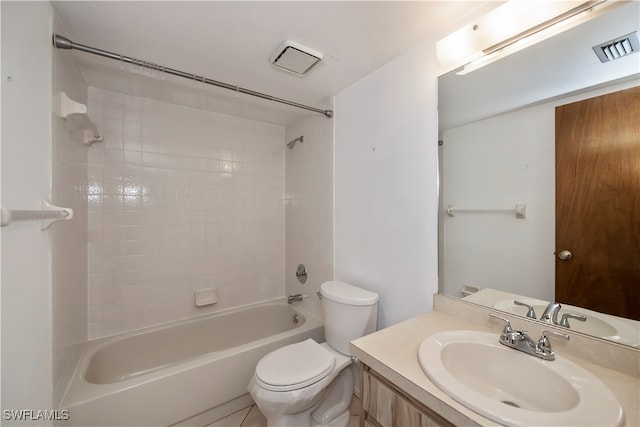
(386, 184)
(26, 174)
(180, 199)
(496, 163)
(1, 76)
(68, 238)
(309, 207)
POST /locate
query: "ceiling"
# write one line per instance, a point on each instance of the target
(563, 64)
(232, 42)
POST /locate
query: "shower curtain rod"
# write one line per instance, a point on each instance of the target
(61, 42)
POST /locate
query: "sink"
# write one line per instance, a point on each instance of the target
(613, 328)
(514, 388)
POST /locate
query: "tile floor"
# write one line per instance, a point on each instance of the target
(252, 417)
(247, 417)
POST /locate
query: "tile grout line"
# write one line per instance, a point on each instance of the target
(246, 415)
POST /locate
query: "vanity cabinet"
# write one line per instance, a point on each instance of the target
(384, 405)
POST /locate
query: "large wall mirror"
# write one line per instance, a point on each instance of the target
(499, 233)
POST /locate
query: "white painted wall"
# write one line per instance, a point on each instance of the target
(26, 178)
(0, 228)
(309, 207)
(386, 184)
(496, 163)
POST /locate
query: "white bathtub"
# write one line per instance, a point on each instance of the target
(195, 370)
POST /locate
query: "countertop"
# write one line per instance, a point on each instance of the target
(393, 353)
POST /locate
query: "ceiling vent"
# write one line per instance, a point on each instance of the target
(617, 48)
(295, 58)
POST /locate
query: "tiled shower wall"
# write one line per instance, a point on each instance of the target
(309, 207)
(180, 199)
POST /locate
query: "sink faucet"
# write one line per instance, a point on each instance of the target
(550, 314)
(521, 341)
(295, 297)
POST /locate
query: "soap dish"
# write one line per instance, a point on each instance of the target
(206, 296)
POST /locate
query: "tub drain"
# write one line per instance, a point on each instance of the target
(507, 402)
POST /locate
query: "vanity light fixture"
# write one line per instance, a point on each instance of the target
(509, 28)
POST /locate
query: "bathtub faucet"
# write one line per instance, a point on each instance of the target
(293, 298)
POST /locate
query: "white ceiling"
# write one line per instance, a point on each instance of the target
(563, 64)
(232, 42)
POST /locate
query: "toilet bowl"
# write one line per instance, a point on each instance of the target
(311, 384)
(295, 378)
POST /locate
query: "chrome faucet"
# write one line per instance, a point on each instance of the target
(294, 298)
(550, 314)
(521, 341)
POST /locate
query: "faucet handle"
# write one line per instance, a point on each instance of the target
(531, 313)
(557, 334)
(565, 319)
(545, 344)
(507, 326)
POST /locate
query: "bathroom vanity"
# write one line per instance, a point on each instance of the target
(384, 404)
(396, 391)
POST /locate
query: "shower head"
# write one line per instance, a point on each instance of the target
(291, 143)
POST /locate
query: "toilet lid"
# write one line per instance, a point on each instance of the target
(294, 366)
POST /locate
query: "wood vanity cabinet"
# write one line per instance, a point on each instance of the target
(384, 405)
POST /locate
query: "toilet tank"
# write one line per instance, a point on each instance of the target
(349, 313)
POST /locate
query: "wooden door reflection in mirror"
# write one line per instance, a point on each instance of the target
(598, 203)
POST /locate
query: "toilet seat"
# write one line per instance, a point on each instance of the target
(294, 366)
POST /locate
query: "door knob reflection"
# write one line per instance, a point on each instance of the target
(565, 255)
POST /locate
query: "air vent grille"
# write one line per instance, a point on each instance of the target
(617, 48)
(295, 58)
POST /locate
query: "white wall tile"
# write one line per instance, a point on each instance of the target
(309, 207)
(174, 201)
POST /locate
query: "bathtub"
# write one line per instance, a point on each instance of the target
(185, 373)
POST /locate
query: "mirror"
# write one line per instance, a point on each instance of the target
(497, 169)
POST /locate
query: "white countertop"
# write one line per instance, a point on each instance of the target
(393, 353)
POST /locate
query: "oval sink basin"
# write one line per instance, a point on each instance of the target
(613, 328)
(514, 388)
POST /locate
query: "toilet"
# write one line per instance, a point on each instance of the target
(311, 384)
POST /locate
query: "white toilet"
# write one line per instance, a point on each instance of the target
(311, 384)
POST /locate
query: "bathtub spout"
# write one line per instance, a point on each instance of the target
(293, 298)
